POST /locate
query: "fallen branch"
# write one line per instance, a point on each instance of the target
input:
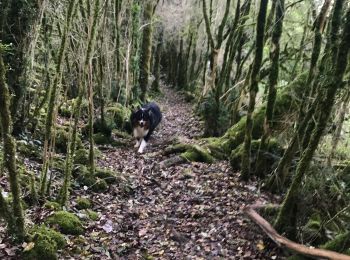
(284, 242)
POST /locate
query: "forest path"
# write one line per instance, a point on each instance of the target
(187, 211)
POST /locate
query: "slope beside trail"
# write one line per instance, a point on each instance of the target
(187, 211)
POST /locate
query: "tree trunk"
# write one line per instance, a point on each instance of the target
(146, 49)
(156, 69)
(253, 88)
(276, 181)
(331, 84)
(64, 193)
(339, 125)
(273, 77)
(9, 153)
(54, 89)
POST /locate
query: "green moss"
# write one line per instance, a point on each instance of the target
(83, 203)
(268, 158)
(119, 114)
(340, 243)
(177, 148)
(67, 222)
(107, 175)
(66, 109)
(58, 163)
(92, 214)
(62, 138)
(28, 150)
(99, 185)
(81, 156)
(79, 170)
(52, 205)
(101, 139)
(46, 243)
(105, 127)
(286, 105)
(197, 154)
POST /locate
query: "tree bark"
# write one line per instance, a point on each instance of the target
(54, 89)
(146, 49)
(331, 84)
(253, 88)
(9, 153)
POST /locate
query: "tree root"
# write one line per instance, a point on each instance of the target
(284, 242)
(189, 153)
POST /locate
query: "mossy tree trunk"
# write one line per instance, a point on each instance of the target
(253, 87)
(273, 76)
(90, 90)
(157, 57)
(16, 21)
(9, 154)
(6, 214)
(330, 85)
(339, 125)
(117, 10)
(180, 66)
(135, 50)
(146, 49)
(276, 180)
(64, 192)
(54, 89)
(215, 46)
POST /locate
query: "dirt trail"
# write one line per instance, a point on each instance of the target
(188, 211)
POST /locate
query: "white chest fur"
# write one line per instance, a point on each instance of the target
(140, 132)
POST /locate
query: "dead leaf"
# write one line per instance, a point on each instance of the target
(29, 246)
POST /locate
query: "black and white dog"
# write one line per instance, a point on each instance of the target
(144, 120)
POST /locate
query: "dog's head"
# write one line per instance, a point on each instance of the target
(141, 118)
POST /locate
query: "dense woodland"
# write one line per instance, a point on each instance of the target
(267, 81)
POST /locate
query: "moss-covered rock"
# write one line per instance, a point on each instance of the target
(107, 175)
(93, 182)
(52, 205)
(45, 241)
(92, 214)
(67, 222)
(83, 203)
(99, 185)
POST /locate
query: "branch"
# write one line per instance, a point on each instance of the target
(284, 242)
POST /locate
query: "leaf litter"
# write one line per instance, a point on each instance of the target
(186, 211)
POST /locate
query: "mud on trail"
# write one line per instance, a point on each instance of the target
(187, 211)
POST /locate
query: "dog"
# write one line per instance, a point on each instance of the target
(144, 120)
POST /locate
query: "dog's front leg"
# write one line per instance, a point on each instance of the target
(137, 144)
(142, 146)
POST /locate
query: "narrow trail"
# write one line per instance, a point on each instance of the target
(187, 211)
